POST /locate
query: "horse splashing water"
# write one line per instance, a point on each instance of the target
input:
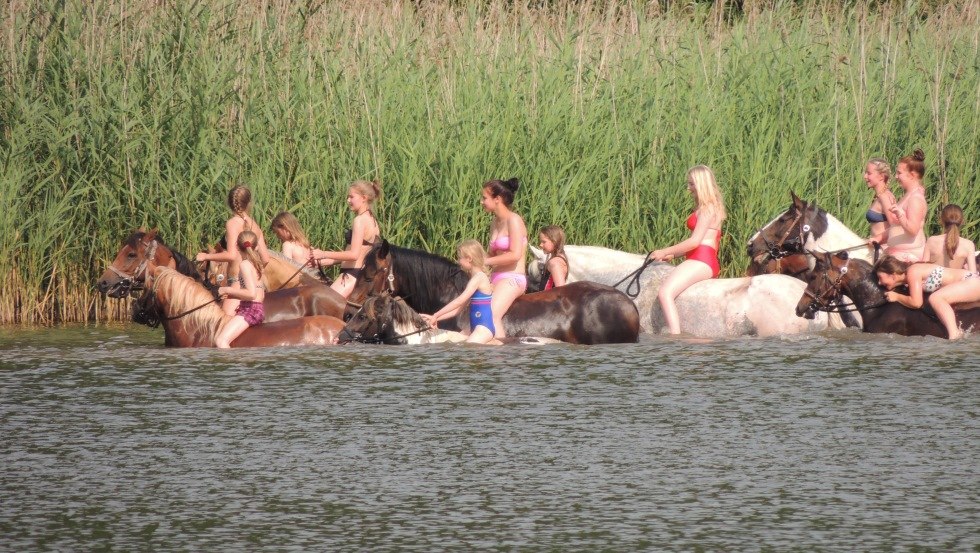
(586, 313)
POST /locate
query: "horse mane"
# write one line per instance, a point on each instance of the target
(185, 294)
(428, 281)
(309, 271)
(184, 265)
(403, 314)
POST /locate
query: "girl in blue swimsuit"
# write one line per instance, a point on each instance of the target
(478, 291)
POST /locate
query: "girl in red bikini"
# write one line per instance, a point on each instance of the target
(508, 245)
(701, 249)
(249, 290)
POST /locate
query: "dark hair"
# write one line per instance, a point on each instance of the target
(891, 265)
(504, 189)
(951, 217)
(915, 162)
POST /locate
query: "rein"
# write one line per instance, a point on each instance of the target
(154, 318)
(634, 283)
(377, 338)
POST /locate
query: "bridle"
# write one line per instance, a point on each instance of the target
(152, 317)
(778, 250)
(829, 300)
(386, 318)
(129, 282)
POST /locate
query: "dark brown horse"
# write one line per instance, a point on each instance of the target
(191, 317)
(835, 275)
(579, 313)
(144, 249)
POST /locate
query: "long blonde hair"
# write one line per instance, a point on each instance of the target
(287, 221)
(240, 199)
(247, 242)
(710, 201)
(475, 252)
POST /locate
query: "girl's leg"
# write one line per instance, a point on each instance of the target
(480, 335)
(683, 276)
(941, 300)
(344, 285)
(504, 294)
(232, 329)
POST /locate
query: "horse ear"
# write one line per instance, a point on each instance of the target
(383, 249)
(842, 255)
(797, 202)
(150, 235)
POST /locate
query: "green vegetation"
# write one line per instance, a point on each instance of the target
(116, 115)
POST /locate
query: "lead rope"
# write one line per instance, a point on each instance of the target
(635, 275)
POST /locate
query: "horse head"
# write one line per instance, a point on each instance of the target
(825, 284)
(128, 270)
(383, 319)
(376, 275)
(535, 270)
(787, 234)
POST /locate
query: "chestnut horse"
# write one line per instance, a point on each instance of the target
(582, 313)
(834, 275)
(144, 249)
(191, 317)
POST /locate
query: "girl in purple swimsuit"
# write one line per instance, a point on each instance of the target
(250, 310)
(701, 248)
(508, 245)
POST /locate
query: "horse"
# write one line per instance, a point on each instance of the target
(835, 274)
(387, 319)
(144, 249)
(714, 308)
(586, 313)
(785, 242)
(191, 317)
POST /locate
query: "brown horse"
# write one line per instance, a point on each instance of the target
(144, 249)
(835, 275)
(191, 317)
(578, 313)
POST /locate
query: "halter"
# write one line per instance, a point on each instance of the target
(777, 250)
(377, 338)
(831, 299)
(129, 281)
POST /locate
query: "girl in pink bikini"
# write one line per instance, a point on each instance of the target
(508, 245)
(701, 248)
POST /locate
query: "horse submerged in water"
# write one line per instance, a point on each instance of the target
(143, 249)
(586, 313)
(715, 308)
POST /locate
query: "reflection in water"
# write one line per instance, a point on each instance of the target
(833, 442)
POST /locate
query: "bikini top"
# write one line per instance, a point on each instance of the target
(349, 234)
(875, 216)
(692, 222)
(934, 280)
(502, 243)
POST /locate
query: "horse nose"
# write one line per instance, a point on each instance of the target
(103, 286)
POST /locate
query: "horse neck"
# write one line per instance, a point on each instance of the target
(860, 286)
(426, 281)
(838, 237)
(194, 329)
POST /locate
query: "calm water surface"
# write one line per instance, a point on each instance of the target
(836, 442)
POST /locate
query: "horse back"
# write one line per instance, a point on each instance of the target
(305, 331)
(579, 313)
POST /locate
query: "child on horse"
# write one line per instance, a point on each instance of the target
(249, 290)
(478, 292)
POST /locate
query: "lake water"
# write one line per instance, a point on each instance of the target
(834, 442)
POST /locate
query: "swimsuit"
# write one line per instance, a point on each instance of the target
(901, 245)
(550, 280)
(704, 254)
(502, 243)
(480, 312)
(934, 280)
(875, 216)
(252, 311)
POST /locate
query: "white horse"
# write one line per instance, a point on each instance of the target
(717, 308)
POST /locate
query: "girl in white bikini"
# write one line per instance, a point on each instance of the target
(945, 285)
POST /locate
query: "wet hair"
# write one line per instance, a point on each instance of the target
(247, 242)
(557, 236)
(287, 221)
(916, 163)
(504, 189)
(240, 199)
(475, 252)
(706, 190)
(881, 167)
(891, 265)
(370, 189)
(952, 218)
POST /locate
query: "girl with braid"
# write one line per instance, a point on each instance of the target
(240, 202)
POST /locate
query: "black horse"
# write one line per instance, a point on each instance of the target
(579, 313)
(835, 275)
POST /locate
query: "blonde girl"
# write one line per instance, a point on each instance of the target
(700, 249)
(250, 292)
(295, 244)
(876, 175)
(360, 237)
(950, 249)
(478, 293)
(240, 203)
(551, 240)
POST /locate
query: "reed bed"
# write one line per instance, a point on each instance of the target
(119, 114)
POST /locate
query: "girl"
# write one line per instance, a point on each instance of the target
(551, 240)
(295, 245)
(478, 292)
(240, 202)
(876, 175)
(905, 236)
(508, 244)
(701, 248)
(947, 286)
(250, 291)
(360, 237)
(950, 249)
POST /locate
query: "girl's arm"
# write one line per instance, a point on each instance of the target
(352, 253)
(912, 219)
(263, 249)
(517, 233)
(925, 253)
(914, 299)
(697, 235)
(887, 200)
(559, 270)
(247, 292)
(231, 245)
(453, 307)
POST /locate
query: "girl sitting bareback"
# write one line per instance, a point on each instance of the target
(249, 291)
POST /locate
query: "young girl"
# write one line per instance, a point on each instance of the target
(876, 175)
(360, 237)
(240, 202)
(947, 286)
(950, 249)
(551, 240)
(906, 238)
(701, 248)
(478, 292)
(250, 291)
(295, 244)
(508, 246)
